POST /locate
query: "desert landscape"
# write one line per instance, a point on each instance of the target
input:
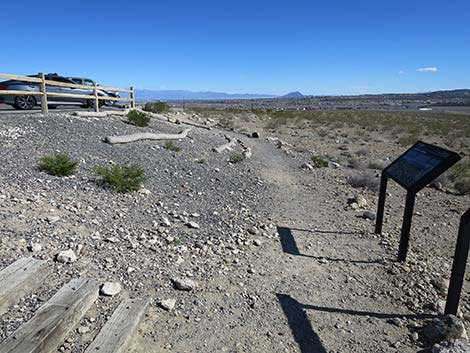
(254, 233)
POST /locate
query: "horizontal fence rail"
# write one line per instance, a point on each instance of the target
(44, 94)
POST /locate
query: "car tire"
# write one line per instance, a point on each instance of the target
(25, 102)
(91, 103)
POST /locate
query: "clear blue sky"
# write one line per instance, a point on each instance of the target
(316, 47)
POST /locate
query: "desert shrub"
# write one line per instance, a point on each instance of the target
(236, 158)
(356, 163)
(58, 164)
(123, 177)
(156, 107)
(377, 165)
(407, 140)
(362, 152)
(138, 118)
(170, 146)
(364, 180)
(460, 175)
(319, 162)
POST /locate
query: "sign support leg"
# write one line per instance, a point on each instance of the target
(406, 227)
(458, 266)
(381, 204)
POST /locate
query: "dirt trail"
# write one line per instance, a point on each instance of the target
(325, 265)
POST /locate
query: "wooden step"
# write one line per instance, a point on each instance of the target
(18, 279)
(54, 320)
(116, 334)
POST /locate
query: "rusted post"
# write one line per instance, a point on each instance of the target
(132, 96)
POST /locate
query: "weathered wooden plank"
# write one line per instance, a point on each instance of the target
(116, 334)
(20, 93)
(20, 78)
(54, 320)
(18, 279)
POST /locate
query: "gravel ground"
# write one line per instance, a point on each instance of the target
(283, 263)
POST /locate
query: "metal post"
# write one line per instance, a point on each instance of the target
(406, 226)
(381, 205)
(458, 266)
(42, 88)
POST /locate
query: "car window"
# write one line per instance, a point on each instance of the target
(89, 83)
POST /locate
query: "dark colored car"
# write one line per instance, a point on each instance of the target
(27, 102)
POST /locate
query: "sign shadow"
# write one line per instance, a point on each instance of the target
(289, 246)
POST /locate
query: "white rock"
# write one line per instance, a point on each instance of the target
(333, 165)
(193, 225)
(110, 288)
(35, 247)
(53, 219)
(66, 256)
(166, 222)
(185, 284)
(168, 304)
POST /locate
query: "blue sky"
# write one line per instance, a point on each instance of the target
(316, 47)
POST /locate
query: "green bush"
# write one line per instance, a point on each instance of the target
(138, 118)
(170, 146)
(156, 107)
(460, 175)
(123, 177)
(236, 158)
(58, 164)
(319, 162)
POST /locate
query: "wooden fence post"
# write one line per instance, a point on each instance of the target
(97, 102)
(132, 97)
(42, 89)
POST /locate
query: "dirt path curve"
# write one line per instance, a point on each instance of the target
(327, 271)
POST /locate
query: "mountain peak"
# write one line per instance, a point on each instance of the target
(295, 94)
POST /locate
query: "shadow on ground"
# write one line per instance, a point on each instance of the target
(301, 328)
(289, 245)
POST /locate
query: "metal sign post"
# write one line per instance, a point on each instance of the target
(458, 266)
(413, 170)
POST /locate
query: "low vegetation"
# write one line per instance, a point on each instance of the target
(138, 118)
(236, 158)
(58, 164)
(156, 107)
(460, 176)
(364, 180)
(123, 177)
(319, 162)
(170, 146)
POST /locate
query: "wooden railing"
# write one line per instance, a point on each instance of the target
(44, 94)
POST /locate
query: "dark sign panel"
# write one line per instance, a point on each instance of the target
(420, 165)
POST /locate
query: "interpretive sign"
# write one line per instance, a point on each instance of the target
(420, 165)
(413, 170)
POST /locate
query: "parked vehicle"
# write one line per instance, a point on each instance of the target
(27, 102)
(91, 83)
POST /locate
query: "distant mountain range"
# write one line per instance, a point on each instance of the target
(144, 95)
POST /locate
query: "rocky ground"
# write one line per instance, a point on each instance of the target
(279, 257)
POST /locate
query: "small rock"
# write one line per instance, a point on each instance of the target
(165, 222)
(361, 201)
(257, 242)
(455, 346)
(83, 329)
(369, 215)
(185, 284)
(110, 288)
(443, 329)
(255, 134)
(66, 256)
(35, 247)
(144, 191)
(333, 165)
(441, 284)
(193, 225)
(168, 304)
(53, 219)
(307, 166)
